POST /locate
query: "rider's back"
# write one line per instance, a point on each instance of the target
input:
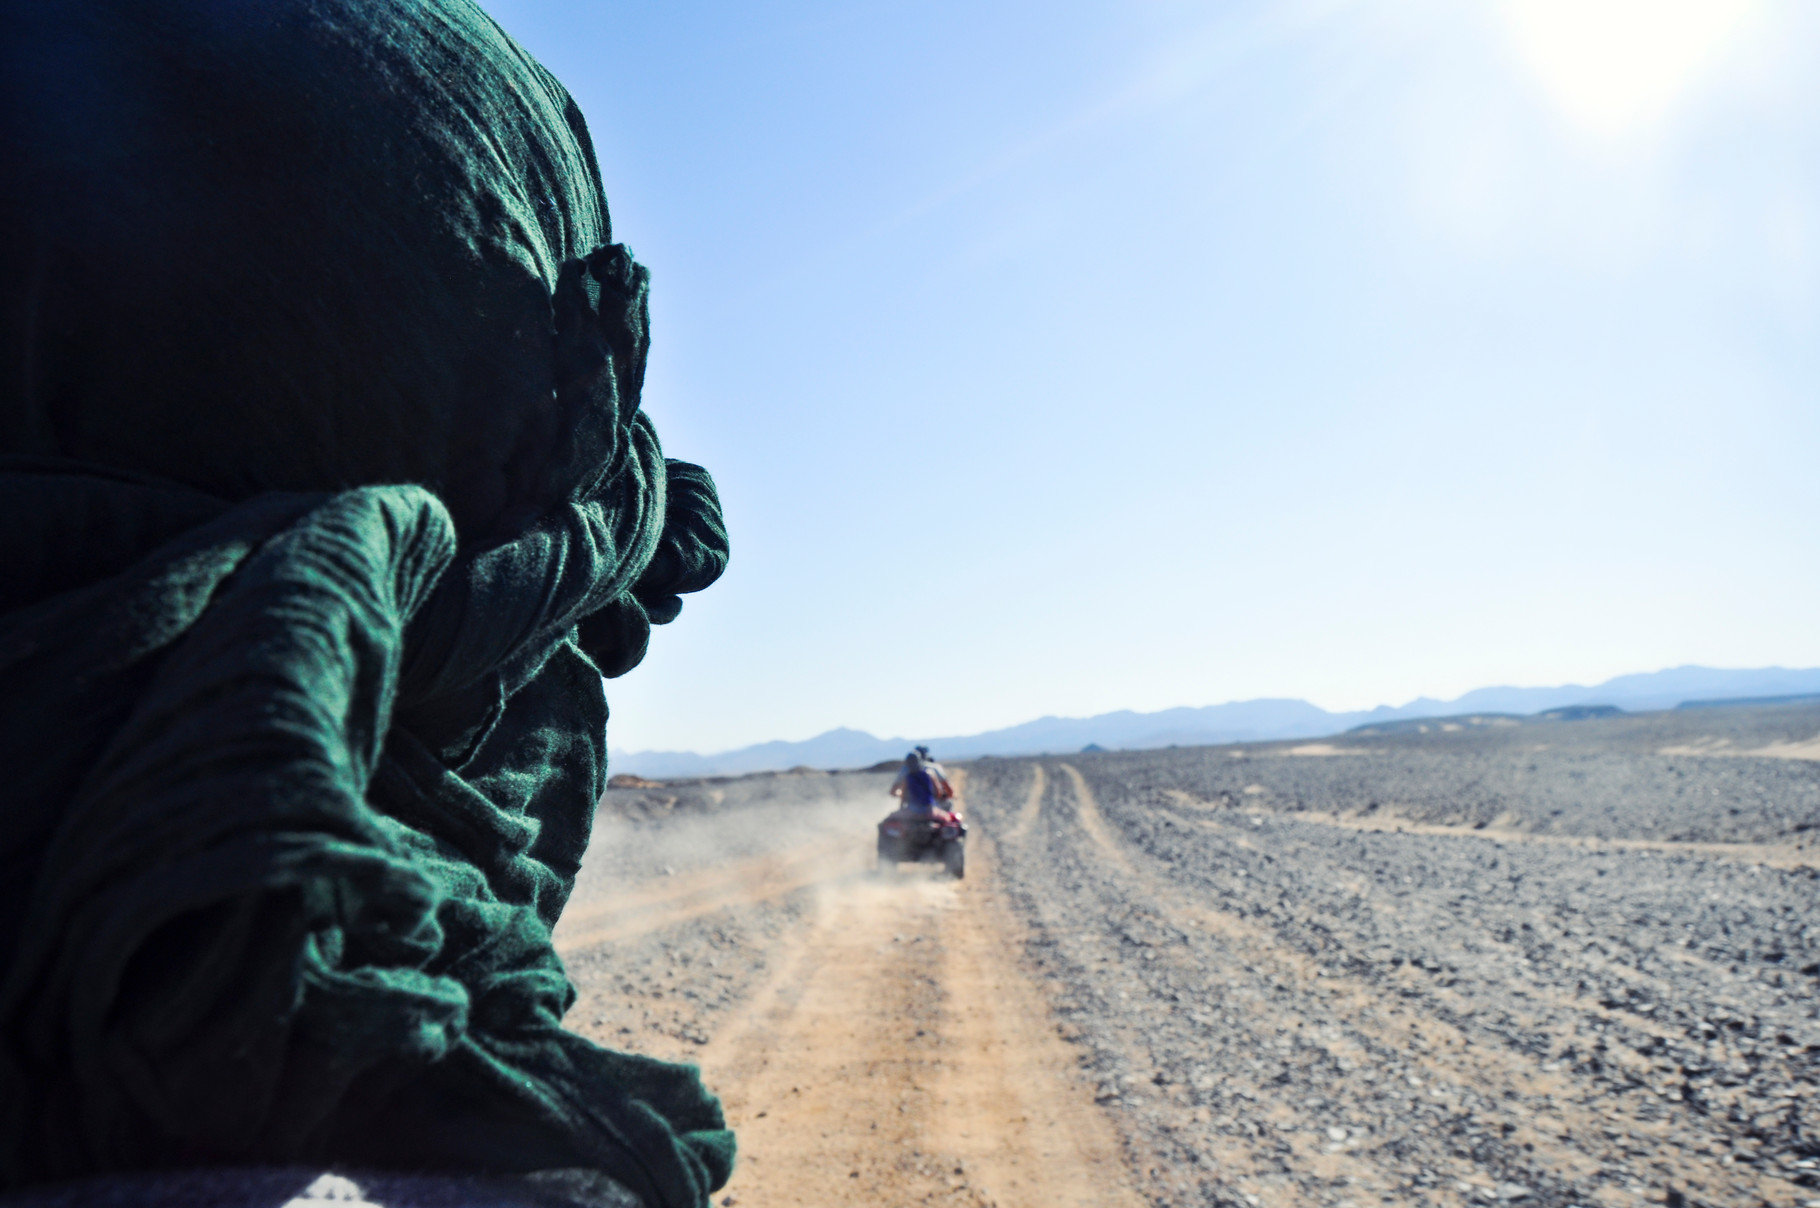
(919, 789)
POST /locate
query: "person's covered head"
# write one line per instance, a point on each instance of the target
(307, 245)
(319, 422)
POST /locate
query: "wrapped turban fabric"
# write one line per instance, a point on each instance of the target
(327, 504)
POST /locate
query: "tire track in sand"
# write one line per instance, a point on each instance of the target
(900, 1056)
(1770, 855)
(1033, 803)
(1087, 811)
(1540, 1107)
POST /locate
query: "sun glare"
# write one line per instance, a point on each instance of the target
(1616, 66)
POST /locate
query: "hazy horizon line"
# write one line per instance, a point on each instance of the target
(621, 752)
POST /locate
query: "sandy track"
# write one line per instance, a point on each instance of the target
(1087, 814)
(899, 1055)
(1799, 853)
(1033, 803)
(1800, 749)
(894, 1049)
(653, 906)
(1441, 976)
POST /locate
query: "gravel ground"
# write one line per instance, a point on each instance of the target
(1594, 778)
(1541, 964)
(1281, 1003)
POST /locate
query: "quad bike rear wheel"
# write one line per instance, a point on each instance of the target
(954, 858)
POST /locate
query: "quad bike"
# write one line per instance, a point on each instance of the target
(913, 836)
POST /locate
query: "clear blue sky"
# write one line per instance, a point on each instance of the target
(1068, 357)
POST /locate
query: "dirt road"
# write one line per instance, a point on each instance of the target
(1393, 975)
(895, 1052)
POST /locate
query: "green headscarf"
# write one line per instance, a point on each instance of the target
(328, 503)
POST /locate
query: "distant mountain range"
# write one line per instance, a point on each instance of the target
(1236, 721)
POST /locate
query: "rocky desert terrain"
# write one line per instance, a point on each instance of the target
(1479, 961)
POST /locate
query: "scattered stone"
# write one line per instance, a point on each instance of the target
(1432, 1002)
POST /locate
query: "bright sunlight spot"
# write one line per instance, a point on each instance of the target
(1616, 66)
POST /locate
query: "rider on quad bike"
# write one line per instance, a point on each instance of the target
(923, 829)
(943, 790)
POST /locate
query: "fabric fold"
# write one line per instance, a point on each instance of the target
(329, 505)
(270, 925)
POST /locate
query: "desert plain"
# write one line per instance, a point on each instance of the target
(1473, 961)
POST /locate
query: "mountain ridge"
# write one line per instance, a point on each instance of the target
(1258, 720)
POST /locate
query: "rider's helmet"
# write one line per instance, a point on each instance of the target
(924, 752)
